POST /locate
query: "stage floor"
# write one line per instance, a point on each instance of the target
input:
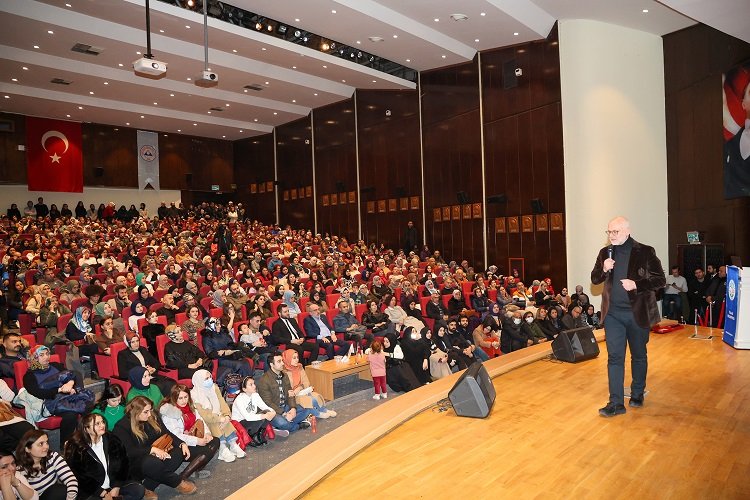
(545, 437)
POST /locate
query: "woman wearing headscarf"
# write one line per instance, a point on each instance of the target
(152, 330)
(591, 316)
(455, 353)
(79, 329)
(71, 291)
(290, 299)
(317, 298)
(416, 354)
(144, 297)
(218, 344)
(183, 356)
(139, 312)
(214, 410)
(415, 318)
(140, 381)
(137, 356)
(532, 329)
(429, 289)
(42, 381)
(440, 363)
(103, 310)
(299, 382)
(399, 374)
(553, 323)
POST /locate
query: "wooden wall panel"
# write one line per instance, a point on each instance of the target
(694, 60)
(253, 165)
(452, 157)
(295, 170)
(13, 161)
(389, 162)
(110, 156)
(336, 168)
(524, 154)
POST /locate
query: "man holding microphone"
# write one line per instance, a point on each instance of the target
(632, 274)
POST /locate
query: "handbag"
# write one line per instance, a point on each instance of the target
(164, 443)
(243, 437)
(79, 402)
(198, 429)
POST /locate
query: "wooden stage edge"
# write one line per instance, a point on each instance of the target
(314, 462)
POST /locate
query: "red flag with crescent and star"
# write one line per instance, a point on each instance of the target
(54, 160)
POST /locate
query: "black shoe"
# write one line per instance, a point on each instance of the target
(636, 401)
(611, 410)
(304, 424)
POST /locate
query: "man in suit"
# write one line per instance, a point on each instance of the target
(285, 330)
(632, 274)
(317, 327)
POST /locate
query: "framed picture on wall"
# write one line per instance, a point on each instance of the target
(403, 204)
(352, 196)
(392, 204)
(556, 221)
(325, 200)
(513, 224)
(342, 198)
(446, 213)
(476, 210)
(334, 199)
(370, 207)
(253, 188)
(293, 194)
(527, 224)
(262, 187)
(381, 206)
(456, 212)
(436, 215)
(516, 264)
(466, 211)
(269, 186)
(308, 191)
(500, 225)
(541, 222)
(286, 194)
(414, 203)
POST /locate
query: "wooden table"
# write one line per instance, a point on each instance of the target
(322, 376)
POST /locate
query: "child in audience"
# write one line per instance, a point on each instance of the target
(376, 357)
(111, 406)
(253, 413)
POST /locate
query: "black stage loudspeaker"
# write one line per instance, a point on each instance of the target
(497, 198)
(473, 395)
(462, 197)
(575, 345)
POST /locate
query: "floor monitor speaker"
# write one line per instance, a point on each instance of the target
(575, 345)
(473, 395)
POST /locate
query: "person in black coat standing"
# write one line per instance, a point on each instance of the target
(411, 238)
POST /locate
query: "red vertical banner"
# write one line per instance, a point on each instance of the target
(54, 159)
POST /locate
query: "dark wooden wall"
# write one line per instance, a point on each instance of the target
(336, 169)
(253, 165)
(295, 170)
(389, 164)
(13, 161)
(452, 153)
(524, 155)
(694, 60)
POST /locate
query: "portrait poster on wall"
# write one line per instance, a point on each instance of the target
(736, 115)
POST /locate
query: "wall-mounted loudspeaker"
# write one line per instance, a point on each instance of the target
(99, 171)
(188, 177)
(462, 197)
(510, 77)
(340, 187)
(537, 206)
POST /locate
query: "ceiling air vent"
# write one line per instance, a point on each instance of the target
(254, 86)
(84, 48)
(217, 109)
(60, 81)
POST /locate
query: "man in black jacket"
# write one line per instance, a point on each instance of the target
(285, 330)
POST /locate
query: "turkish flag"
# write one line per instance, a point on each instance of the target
(54, 160)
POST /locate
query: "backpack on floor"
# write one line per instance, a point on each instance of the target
(232, 386)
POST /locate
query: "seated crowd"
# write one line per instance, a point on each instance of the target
(178, 312)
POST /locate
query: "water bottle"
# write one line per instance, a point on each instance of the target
(313, 424)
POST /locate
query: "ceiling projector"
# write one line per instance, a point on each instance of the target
(207, 79)
(150, 67)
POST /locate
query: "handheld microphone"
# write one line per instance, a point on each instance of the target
(609, 254)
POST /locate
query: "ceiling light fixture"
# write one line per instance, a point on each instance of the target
(645, 11)
(14, 79)
(234, 50)
(68, 5)
(437, 20)
(476, 40)
(91, 92)
(156, 104)
(376, 39)
(223, 137)
(127, 123)
(52, 32)
(143, 116)
(171, 95)
(296, 20)
(443, 56)
(120, 65)
(275, 113)
(7, 97)
(179, 130)
(161, 31)
(408, 60)
(80, 107)
(25, 68)
(459, 17)
(36, 46)
(395, 36)
(68, 116)
(515, 34)
(482, 14)
(315, 94)
(333, 12)
(106, 83)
